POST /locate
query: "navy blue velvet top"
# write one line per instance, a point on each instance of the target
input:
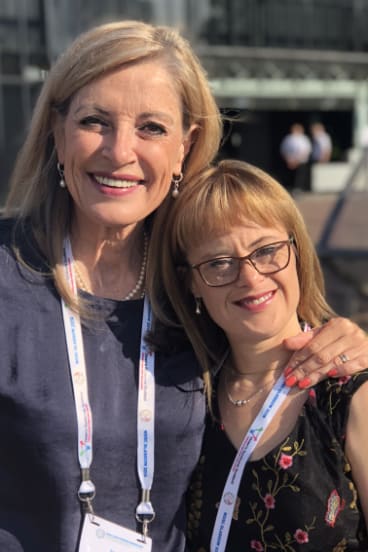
(39, 469)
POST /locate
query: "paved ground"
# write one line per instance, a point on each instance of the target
(350, 227)
(346, 270)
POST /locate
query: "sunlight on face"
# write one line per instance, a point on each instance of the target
(121, 142)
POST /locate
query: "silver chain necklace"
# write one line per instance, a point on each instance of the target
(243, 402)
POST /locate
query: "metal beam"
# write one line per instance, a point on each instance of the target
(281, 54)
(285, 88)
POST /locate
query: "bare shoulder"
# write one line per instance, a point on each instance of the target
(359, 403)
(356, 448)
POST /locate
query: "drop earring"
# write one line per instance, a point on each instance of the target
(176, 179)
(198, 303)
(60, 170)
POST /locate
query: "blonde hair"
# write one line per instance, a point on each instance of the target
(211, 204)
(35, 195)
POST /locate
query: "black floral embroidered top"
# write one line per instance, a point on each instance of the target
(299, 497)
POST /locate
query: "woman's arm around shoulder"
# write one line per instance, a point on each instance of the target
(338, 348)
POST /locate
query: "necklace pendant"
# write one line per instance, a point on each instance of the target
(240, 402)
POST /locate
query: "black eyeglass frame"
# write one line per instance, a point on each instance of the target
(241, 260)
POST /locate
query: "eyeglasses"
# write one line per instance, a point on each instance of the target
(268, 259)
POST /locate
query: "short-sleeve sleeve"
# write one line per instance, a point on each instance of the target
(333, 398)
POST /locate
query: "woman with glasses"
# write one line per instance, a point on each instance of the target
(281, 468)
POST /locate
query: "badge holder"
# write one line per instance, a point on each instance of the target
(101, 535)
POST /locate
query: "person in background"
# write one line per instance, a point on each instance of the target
(295, 149)
(124, 118)
(280, 469)
(321, 144)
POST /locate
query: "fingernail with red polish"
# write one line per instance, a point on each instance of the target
(332, 373)
(288, 371)
(290, 381)
(304, 383)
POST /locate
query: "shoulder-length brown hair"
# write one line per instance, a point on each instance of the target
(212, 203)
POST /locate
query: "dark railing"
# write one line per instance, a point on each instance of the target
(345, 261)
(324, 246)
(313, 24)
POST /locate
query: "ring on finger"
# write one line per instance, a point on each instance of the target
(343, 357)
(302, 371)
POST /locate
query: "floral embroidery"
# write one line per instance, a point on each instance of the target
(266, 516)
(285, 461)
(335, 388)
(256, 545)
(354, 494)
(277, 480)
(286, 545)
(269, 501)
(236, 509)
(301, 536)
(341, 546)
(334, 506)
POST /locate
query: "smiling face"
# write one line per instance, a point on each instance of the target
(121, 142)
(256, 307)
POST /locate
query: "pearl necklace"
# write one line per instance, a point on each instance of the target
(82, 285)
(142, 272)
(243, 402)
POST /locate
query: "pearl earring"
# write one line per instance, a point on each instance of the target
(176, 179)
(60, 170)
(198, 309)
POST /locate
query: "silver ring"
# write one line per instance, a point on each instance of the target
(344, 358)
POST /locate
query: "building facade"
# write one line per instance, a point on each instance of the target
(270, 62)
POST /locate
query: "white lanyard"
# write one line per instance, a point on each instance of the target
(146, 401)
(225, 511)
(146, 422)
